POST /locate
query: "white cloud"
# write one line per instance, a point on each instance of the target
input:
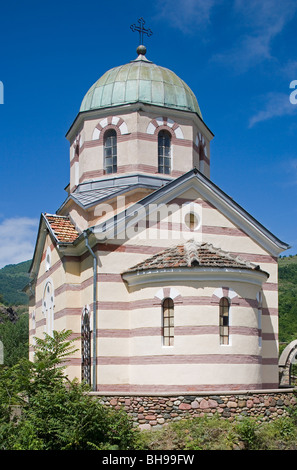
(250, 51)
(260, 22)
(254, 25)
(17, 239)
(186, 15)
(290, 69)
(270, 14)
(275, 105)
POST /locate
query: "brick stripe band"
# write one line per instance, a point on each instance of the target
(159, 389)
(147, 303)
(178, 331)
(185, 359)
(235, 359)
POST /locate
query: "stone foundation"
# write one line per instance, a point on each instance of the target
(152, 412)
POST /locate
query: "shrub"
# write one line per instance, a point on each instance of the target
(246, 429)
(14, 336)
(56, 413)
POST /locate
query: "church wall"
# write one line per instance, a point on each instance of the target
(144, 338)
(129, 328)
(137, 145)
(69, 316)
(118, 374)
(196, 340)
(79, 217)
(63, 276)
(99, 214)
(223, 376)
(47, 274)
(220, 231)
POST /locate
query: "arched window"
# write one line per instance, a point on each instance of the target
(48, 259)
(48, 308)
(224, 320)
(164, 152)
(168, 322)
(201, 158)
(110, 151)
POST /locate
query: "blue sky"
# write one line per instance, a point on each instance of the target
(239, 57)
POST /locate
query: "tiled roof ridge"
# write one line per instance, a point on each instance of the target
(193, 253)
(47, 214)
(221, 252)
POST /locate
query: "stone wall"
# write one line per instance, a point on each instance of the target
(152, 412)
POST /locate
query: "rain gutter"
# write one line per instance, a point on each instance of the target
(94, 310)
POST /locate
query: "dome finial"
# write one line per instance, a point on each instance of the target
(141, 49)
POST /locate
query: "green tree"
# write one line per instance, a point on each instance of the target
(15, 337)
(56, 413)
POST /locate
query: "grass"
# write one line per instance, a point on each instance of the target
(214, 433)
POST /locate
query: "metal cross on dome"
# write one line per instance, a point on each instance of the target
(141, 29)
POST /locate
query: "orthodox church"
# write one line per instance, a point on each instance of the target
(167, 284)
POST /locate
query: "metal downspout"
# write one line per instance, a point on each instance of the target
(94, 310)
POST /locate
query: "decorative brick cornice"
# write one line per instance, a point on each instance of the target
(111, 122)
(157, 124)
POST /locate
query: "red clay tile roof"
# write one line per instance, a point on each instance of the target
(193, 254)
(62, 228)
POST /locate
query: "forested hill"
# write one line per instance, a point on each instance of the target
(287, 269)
(14, 277)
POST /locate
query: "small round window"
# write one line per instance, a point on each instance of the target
(191, 220)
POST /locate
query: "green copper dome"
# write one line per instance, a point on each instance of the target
(140, 81)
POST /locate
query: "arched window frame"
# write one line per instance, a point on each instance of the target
(48, 306)
(168, 321)
(164, 152)
(224, 321)
(110, 151)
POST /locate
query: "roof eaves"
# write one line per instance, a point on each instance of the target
(114, 222)
(137, 278)
(48, 225)
(104, 198)
(242, 211)
(41, 221)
